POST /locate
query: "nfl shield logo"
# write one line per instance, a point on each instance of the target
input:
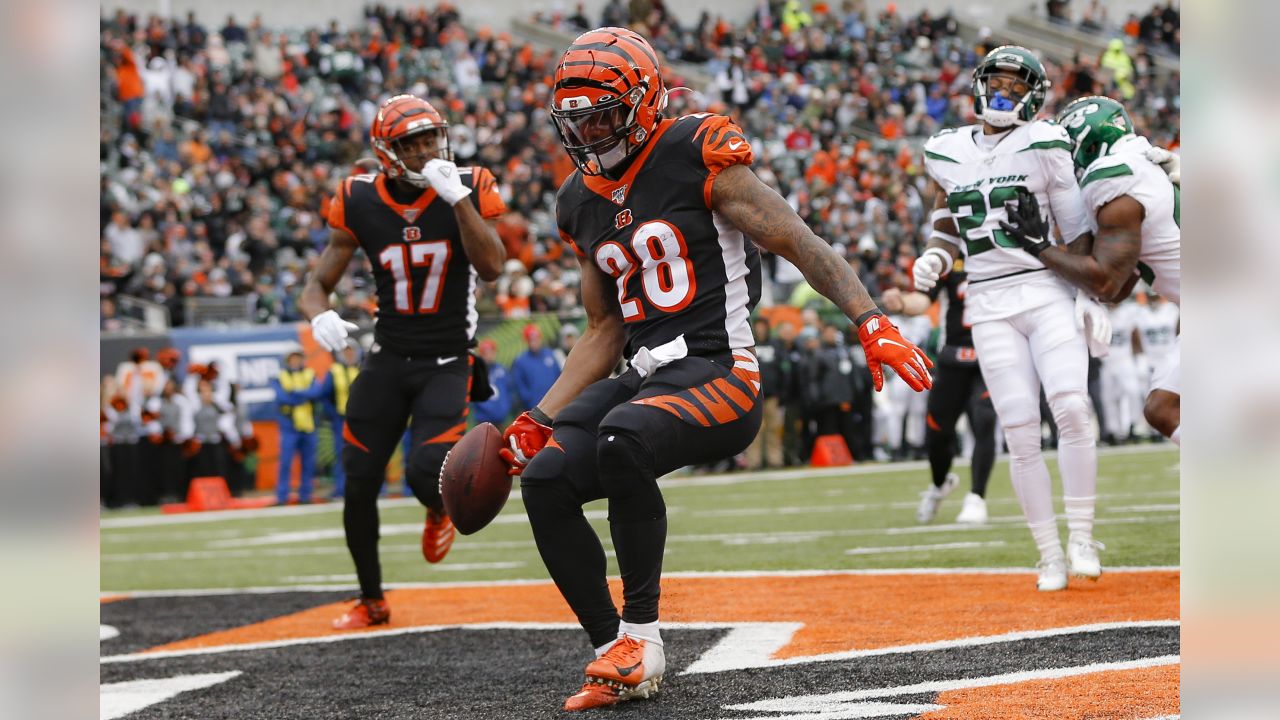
(620, 195)
(411, 214)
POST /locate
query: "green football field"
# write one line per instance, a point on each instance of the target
(821, 519)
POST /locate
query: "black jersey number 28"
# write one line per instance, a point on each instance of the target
(657, 252)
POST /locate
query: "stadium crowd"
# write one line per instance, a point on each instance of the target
(220, 145)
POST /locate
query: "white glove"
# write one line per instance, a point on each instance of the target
(444, 179)
(330, 331)
(933, 264)
(1170, 162)
(1092, 319)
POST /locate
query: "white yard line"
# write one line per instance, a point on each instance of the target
(683, 481)
(996, 524)
(274, 589)
(922, 548)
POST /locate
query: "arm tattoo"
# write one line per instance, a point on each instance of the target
(767, 219)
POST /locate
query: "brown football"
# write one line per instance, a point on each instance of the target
(473, 480)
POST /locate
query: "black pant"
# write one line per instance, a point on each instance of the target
(390, 390)
(958, 387)
(615, 440)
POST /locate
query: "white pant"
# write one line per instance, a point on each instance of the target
(1120, 394)
(904, 403)
(1018, 353)
(1165, 369)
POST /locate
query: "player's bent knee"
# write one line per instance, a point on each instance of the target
(545, 488)
(1071, 413)
(1163, 411)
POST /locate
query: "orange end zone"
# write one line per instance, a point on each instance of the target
(1141, 693)
(839, 612)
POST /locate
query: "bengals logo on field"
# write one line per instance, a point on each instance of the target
(622, 219)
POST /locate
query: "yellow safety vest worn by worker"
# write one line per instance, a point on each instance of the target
(343, 376)
(301, 414)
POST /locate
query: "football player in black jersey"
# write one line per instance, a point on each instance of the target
(425, 225)
(658, 212)
(958, 388)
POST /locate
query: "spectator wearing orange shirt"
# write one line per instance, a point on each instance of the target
(129, 88)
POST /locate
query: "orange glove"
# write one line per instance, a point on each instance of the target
(884, 345)
(524, 438)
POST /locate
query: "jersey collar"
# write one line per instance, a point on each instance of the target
(604, 187)
(410, 213)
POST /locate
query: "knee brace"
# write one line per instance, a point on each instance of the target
(1023, 441)
(628, 476)
(1071, 414)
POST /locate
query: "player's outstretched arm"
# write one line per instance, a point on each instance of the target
(767, 219)
(329, 330)
(1110, 271)
(762, 214)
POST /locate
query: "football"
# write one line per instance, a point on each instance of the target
(473, 480)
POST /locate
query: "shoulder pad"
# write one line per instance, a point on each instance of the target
(1047, 135)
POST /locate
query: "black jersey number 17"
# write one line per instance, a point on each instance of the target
(401, 259)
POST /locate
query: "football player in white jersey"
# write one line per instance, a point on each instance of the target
(1027, 321)
(1138, 215)
(905, 417)
(1121, 394)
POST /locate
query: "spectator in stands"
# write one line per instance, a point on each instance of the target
(496, 409)
(296, 390)
(1094, 18)
(124, 429)
(1057, 11)
(534, 371)
(1116, 62)
(569, 335)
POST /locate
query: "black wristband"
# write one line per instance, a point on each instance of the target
(537, 415)
(867, 316)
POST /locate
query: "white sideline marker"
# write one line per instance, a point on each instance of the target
(122, 698)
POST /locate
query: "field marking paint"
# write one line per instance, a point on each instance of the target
(682, 481)
(107, 632)
(922, 548)
(122, 698)
(814, 572)
(999, 523)
(746, 645)
(734, 652)
(830, 702)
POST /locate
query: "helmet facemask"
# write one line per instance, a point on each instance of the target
(1008, 105)
(600, 137)
(403, 152)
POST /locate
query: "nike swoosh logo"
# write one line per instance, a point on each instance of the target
(446, 361)
(883, 341)
(735, 144)
(625, 671)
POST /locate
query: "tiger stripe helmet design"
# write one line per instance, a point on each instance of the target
(607, 98)
(399, 118)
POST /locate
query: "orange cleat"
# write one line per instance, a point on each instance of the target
(437, 536)
(366, 613)
(592, 695)
(630, 669)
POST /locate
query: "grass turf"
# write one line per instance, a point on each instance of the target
(777, 521)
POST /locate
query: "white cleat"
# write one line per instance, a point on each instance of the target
(930, 499)
(974, 510)
(1082, 556)
(1053, 575)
